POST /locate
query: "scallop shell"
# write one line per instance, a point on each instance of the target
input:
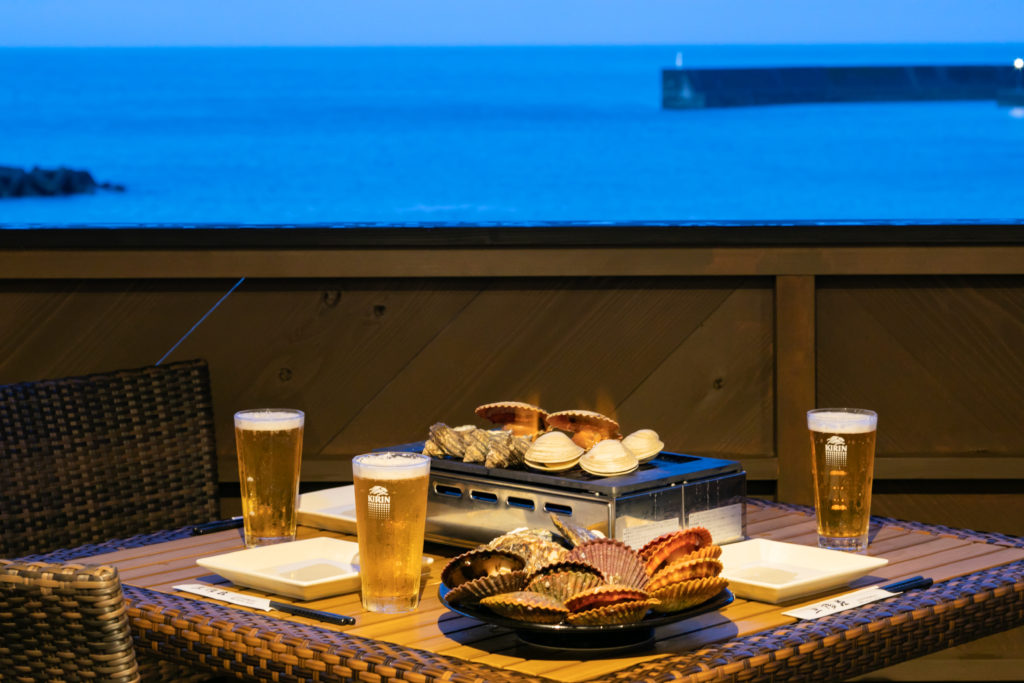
(619, 613)
(522, 419)
(644, 444)
(600, 596)
(477, 589)
(685, 570)
(672, 546)
(566, 565)
(553, 448)
(480, 562)
(563, 585)
(528, 606)
(619, 564)
(586, 426)
(608, 458)
(686, 594)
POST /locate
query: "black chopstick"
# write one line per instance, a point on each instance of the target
(329, 617)
(218, 525)
(908, 584)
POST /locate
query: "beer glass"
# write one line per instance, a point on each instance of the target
(391, 512)
(269, 445)
(843, 460)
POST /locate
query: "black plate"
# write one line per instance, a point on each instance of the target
(567, 638)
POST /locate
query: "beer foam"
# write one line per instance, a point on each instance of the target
(391, 465)
(842, 422)
(269, 420)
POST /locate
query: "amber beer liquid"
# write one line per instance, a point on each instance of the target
(843, 459)
(269, 445)
(391, 512)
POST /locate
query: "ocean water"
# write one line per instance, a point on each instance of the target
(333, 135)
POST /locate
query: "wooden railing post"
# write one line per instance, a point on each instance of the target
(794, 385)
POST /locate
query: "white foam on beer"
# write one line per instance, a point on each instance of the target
(269, 420)
(391, 466)
(840, 422)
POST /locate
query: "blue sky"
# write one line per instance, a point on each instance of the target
(504, 22)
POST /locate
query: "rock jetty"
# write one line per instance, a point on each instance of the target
(41, 182)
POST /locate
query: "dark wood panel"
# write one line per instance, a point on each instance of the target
(63, 328)
(938, 358)
(794, 384)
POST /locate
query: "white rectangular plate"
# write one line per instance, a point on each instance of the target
(333, 509)
(772, 571)
(306, 570)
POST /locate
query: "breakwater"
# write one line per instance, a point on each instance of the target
(683, 88)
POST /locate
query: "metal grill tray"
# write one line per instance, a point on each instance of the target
(666, 468)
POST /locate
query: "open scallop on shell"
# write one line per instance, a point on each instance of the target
(522, 419)
(586, 426)
(609, 458)
(645, 444)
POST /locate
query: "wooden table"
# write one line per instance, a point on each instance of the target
(979, 589)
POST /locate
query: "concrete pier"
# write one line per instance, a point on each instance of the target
(698, 88)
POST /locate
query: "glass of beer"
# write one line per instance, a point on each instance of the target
(843, 458)
(269, 444)
(391, 513)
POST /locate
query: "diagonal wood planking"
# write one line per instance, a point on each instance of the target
(72, 327)
(937, 357)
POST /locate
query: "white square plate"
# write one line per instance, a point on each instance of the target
(333, 509)
(306, 570)
(772, 571)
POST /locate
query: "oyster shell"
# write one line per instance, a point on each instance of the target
(677, 596)
(505, 450)
(644, 444)
(609, 458)
(445, 440)
(573, 532)
(528, 606)
(586, 426)
(619, 564)
(522, 419)
(552, 449)
(535, 546)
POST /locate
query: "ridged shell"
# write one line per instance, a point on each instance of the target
(535, 608)
(566, 565)
(617, 561)
(480, 562)
(607, 594)
(688, 593)
(608, 458)
(564, 584)
(573, 532)
(672, 546)
(505, 449)
(522, 419)
(586, 426)
(477, 589)
(644, 444)
(553, 448)
(620, 613)
(445, 440)
(685, 570)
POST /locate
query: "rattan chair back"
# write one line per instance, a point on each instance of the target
(64, 622)
(112, 455)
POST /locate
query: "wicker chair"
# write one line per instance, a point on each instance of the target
(64, 622)
(87, 459)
